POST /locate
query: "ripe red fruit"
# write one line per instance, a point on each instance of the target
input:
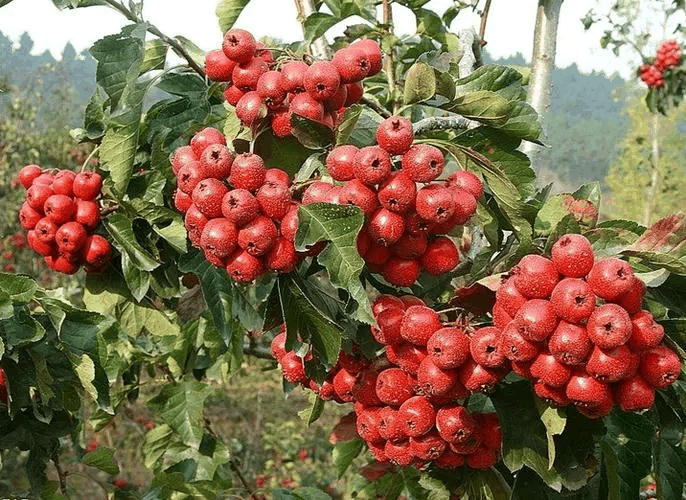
(449, 460)
(435, 203)
(397, 193)
(634, 394)
(239, 45)
(37, 245)
(483, 347)
(219, 237)
(271, 88)
(609, 326)
(194, 222)
(466, 180)
(573, 256)
(448, 347)
(500, 317)
(63, 263)
(97, 251)
(367, 424)
(610, 278)
(395, 135)
(356, 193)
(389, 321)
(536, 320)
(400, 272)
(633, 299)
(372, 165)
(243, 267)
(87, 213)
(293, 74)
(399, 452)
(417, 416)
(339, 163)
(322, 80)
(478, 378)
(59, 208)
(281, 122)
(289, 223)
(204, 138)
(278, 344)
(515, 347)
(354, 93)
(660, 366)
(551, 395)
(433, 381)
(27, 175)
(188, 177)
(509, 297)
(250, 109)
(609, 365)
(216, 162)
(390, 426)
(465, 206)
(441, 256)
(455, 424)
(570, 344)
(293, 368)
(429, 446)
(573, 300)
(316, 193)
(373, 52)
(384, 302)
(482, 458)
(247, 172)
(394, 386)
(419, 324)
(535, 276)
(646, 333)
(386, 227)
(37, 194)
(181, 157)
(45, 230)
(406, 356)
(44, 178)
(423, 163)
(70, 237)
(274, 199)
(282, 257)
(87, 185)
(306, 106)
(218, 67)
(208, 195)
(549, 370)
(337, 101)
(409, 247)
(258, 236)
(352, 64)
(277, 176)
(583, 390)
(240, 206)
(64, 182)
(233, 94)
(120, 484)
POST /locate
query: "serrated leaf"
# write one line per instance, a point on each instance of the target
(249, 302)
(311, 134)
(627, 450)
(20, 289)
(317, 24)
(314, 411)
(339, 225)
(102, 458)
(155, 55)
(228, 11)
(123, 238)
(435, 488)
(155, 443)
(21, 329)
(344, 452)
(181, 406)
(484, 106)
(420, 83)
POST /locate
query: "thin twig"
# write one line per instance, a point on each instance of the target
(484, 19)
(61, 474)
(388, 61)
(178, 48)
(376, 107)
(241, 477)
(257, 352)
(441, 123)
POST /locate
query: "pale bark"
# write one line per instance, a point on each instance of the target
(654, 177)
(320, 48)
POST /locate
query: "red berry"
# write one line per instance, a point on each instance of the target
(293, 368)
(441, 256)
(609, 365)
(195, 222)
(59, 208)
(448, 347)
(306, 106)
(466, 180)
(634, 394)
(367, 424)
(372, 165)
(258, 236)
(386, 227)
(282, 257)
(395, 135)
(373, 51)
(423, 163)
(455, 424)
(356, 193)
(401, 272)
(419, 324)
(429, 446)
(660, 366)
(409, 247)
(515, 347)
(354, 93)
(97, 251)
(536, 320)
(64, 183)
(573, 300)
(271, 87)
(181, 157)
(37, 195)
(394, 386)
(509, 297)
(208, 195)
(27, 175)
(219, 237)
(583, 390)
(243, 267)
(417, 416)
(37, 245)
(548, 370)
(483, 347)
(239, 45)
(274, 199)
(573, 256)
(216, 162)
(87, 213)
(610, 278)
(432, 380)
(397, 193)
(535, 276)
(551, 395)
(399, 453)
(250, 108)
(204, 138)
(609, 326)
(70, 237)
(435, 203)
(322, 80)
(465, 206)
(339, 163)
(218, 67)
(633, 298)
(570, 344)
(233, 94)
(247, 172)
(646, 333)
(406, 356)
(240, 206)
(293, 74)
(188, 177)
(182, 201)
(478, 378)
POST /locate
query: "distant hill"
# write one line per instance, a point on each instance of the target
(584, 125)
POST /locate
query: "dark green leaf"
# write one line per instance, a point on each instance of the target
(314, 411)
(339, 226)
(21, 329)
(155, 55)
(20, 289)
(420, 83)
(488, 485)
(670, 469)
(484, 106)
(287, 154)
(317, 24)
(102, 458)
(228, 11)
(313, 164)
(348, 123)
(249, 301)
(311, 134)
(123, 238)
(344, 453)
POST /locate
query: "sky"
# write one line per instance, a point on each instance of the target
(509, 30)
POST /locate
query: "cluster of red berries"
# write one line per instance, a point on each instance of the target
(239, 213)
(60, 213)
(407, 401)
(405, 210)
(259, 89)
(550, 327)
(668, 56)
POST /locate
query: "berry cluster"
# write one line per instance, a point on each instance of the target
(238, 212)
(259, 89)
(668, 56)
(406, 211)
(407, 401)
(594, 356)
(60, 213)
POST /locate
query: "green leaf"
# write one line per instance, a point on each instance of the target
(311, 134)
(348, 123)
(550, 215)
(311, 414)
(249, 301)
(339, 225)
(420, 83)
(627, 449)
(21, 329)
(20, 289)
(196, 53)
(670, 469)
(102, 458)
(554, 420)
(488, 485)
(302, 316)
(228, 11)
(181, 406)
(216, 288)
(124, 239)
(287, 154)
(344, 452)
(436, 489)
(155, 55)
(364, 132)
(317, 24)
(313, 164)
(484, 106)
(155, 444)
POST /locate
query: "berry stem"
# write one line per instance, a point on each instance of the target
(175, 45)
(388, 61)
(90, 157)
(484, 19)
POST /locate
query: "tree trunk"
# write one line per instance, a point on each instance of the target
(652, 189)
(320, 47)
(543, 59)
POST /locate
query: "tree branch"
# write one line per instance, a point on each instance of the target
(484, 19)
(176, 46)
(652, 189)
(441, 123)
(376, 107)
(61, 474)
(320, 48)
(388, 61)
(258, 352)
(471, 52)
